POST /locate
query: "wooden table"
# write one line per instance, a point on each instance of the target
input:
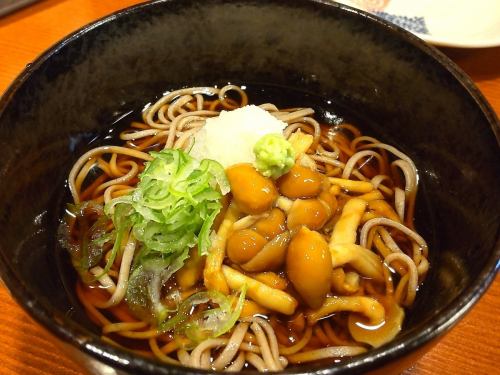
(473, 347)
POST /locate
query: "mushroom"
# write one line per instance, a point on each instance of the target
(272, 255)
(309, 266)
(253, 193)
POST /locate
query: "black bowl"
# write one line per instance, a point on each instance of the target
(311, 52)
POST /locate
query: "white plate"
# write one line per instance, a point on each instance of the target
(453, 23)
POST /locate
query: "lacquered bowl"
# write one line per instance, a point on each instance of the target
(406, 92)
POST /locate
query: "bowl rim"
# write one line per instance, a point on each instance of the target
(79, 337)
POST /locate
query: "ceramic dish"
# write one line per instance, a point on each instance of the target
(410, 94)
(449, 23)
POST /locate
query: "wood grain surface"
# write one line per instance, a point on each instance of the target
(473, 347)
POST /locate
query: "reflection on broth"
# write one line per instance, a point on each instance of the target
(304, 249)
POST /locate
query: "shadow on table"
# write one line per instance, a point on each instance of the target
(479, 63)
(27, 10)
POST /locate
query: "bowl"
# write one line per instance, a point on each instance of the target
(314, 52)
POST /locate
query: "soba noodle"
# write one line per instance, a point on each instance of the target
(366, 193)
